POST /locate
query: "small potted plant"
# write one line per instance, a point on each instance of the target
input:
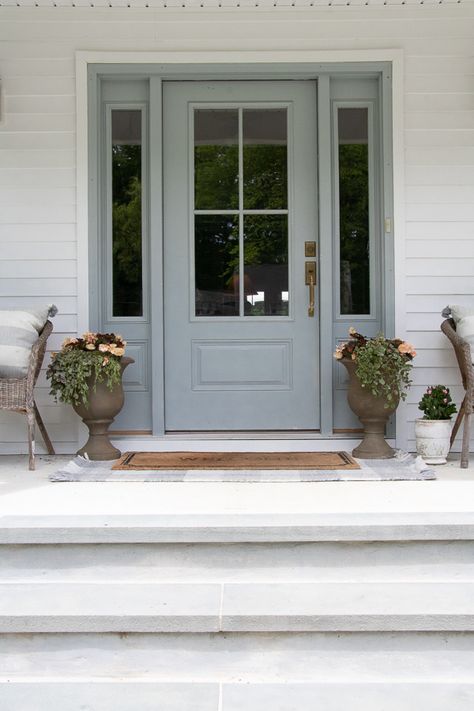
(87, 374)
(379, 375)
(433, 430)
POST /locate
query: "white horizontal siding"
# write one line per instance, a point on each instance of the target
(439, 123)
(37, 146)
(428, 303)
(38, 196)
(440, 194)
(45, 232)
(37, 251)
(438, 230)
(444, 176)
(46, 286)
(29, 268)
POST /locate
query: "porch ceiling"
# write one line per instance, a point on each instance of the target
(264, 4)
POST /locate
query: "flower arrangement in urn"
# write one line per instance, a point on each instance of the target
(87, 374)
(379, 376)
(94, 354)
(433, 430)
(382, 364)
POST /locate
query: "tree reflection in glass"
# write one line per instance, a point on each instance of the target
(266, 265)
(217, 265)
(216, 159)
(251, 200)
(127, 291)
(265, 159)
(354, 211)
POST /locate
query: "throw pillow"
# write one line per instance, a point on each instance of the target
(464, 319)
(18, 332)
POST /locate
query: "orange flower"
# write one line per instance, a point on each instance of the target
(407, 348)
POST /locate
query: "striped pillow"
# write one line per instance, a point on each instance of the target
(18, 332)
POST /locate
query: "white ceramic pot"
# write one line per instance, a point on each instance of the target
(433, 440)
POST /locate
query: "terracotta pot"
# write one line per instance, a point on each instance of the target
(372, 413)
(433, 440)
(103, 406)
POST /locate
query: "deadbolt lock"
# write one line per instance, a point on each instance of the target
(310, 249)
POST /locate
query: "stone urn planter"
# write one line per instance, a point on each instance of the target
(433, 439)
(372, 413)
(103, 406)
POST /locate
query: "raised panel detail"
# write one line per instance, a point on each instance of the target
(241, 365)
(341, 381)
(135, 377)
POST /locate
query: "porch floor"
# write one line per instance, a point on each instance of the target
(24, 493)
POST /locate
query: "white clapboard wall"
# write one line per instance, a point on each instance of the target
(37, 144)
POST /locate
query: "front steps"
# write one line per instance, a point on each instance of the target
(367, 612)
(144, 696)
(244, 607)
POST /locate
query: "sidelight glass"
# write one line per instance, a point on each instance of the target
(216, 159)
(127, 277)
(266, 265)
(265, 159)
(353, 144)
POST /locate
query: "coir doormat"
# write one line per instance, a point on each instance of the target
(235, 460)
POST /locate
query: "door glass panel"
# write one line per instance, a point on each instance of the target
(354, 210)
(216, 159)
(241, 258)
(265, 159)
(217, 265)
(127, 287)
(266, 265)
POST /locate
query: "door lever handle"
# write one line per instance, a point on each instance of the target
(310, 280)
(311, 297)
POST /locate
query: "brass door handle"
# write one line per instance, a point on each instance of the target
(311, 297)
(310, 280)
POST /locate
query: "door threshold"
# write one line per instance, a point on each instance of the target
(239, 442)
(207, 435)
(244, 434)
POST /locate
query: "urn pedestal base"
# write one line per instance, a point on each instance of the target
(102, 408)
(373, 414)
(374, 445)
(98, 447)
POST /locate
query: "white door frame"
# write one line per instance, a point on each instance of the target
(265, 65)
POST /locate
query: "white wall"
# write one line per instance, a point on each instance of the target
(37, 150)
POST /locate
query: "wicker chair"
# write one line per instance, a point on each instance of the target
(462, 350)
(16, 394)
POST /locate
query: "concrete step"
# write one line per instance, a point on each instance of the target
(230, 527)
(356, 697)
(235, 607)
(416, 561)
(92, 695)
(310, 657)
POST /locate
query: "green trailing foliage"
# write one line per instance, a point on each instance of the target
(382, 369)
(84, 362)
(437, 404)
(383, 365)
